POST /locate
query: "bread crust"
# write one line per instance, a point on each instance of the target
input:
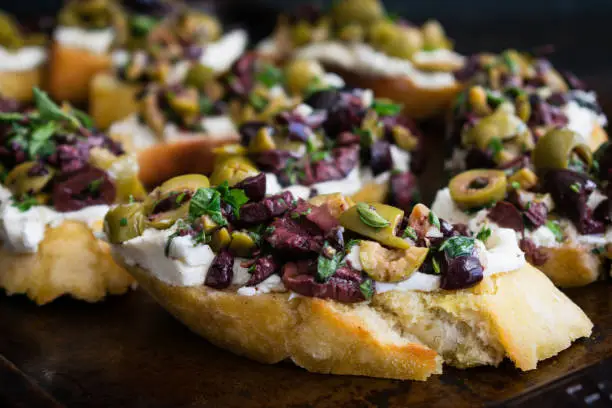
(520, 315)
(18, 84)
(418, 102)
(70, 261)
(72, 69)
(111, 100)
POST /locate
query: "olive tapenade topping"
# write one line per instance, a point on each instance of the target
(53, 156)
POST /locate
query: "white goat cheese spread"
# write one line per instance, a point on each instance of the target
(22, 59)
(95, 41)
(444, 207)
(140, 136)
(221, 54)
(364, 59)
(23, 231)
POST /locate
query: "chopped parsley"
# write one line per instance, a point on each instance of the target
(94, 187)
(258, 101)
(433, 219)
(349, 245)
(180, 198)
(598, 250)
(123, 222)
(496, 146)
(484, 234)
(367, 288)
(555, 228)
(458, 246)
(516, 185)
(436, 265)
(140, 25)
(206, 201)
(200, 238)
(409, 232)
(326, 267)
(235, 197)
(320, 155)
(384, 108)
(25, 202)
(180, 230)
(269, 75)
(575, 187)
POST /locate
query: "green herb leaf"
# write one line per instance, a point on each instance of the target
(386, 108)
(369, 216)
(40, 141)
(140, 25)
(367, 288)
(458, 246)
(575, 187)
(349, 245)
(555, 228)
(11, 116)
(516, 185)
(409, 232)
(49, 110)
(269, 76)
(207, 201)
(496, 146)
(94, 186)
(180, 198)
(598, 250)
(257, 101)
(200, 238)
(25, 202)
(123, 222)
(433, 219)
(436, 265)
(494, 100)
(236, 198)
(326, 267)
(484, 234)
(318, 156)
(510, 63)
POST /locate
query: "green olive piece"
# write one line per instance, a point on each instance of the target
(262, 142)
(20, 182)
(207, 26)
(301, 73)
(554, 150)
(186, 102)
(124, 222)
(478, 188)
(199, 76)
(390, 265)
(434, 36)
(242, 244)
(408, 41)
(361, 12)
(233, 170)
(351, 33)
(220, 239)
(351, 220)
(502, 124)
(188, 182)
(301, 33)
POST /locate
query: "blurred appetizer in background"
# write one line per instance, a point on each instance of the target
(409, 64)
(163, 52)
(59, 177)
(336, 141)
(178, 125)
(336, 286)
(22, 60)
(83, 42)
(511, 101)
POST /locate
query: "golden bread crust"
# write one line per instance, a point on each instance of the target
(598, 136)
(111, 100)
(69, 261)
(403, 335)
(418, 102)
(18, 84)
(571, 265)
(71, 70)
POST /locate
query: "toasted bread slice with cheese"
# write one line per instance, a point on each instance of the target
(404, 335)
(18, 84)
(111, 100)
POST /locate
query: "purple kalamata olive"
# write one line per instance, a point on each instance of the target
(536, 213)
(248, 131)
(295, 236)
(266, 209)
(380, 157)
(343, 286)
(403, 191)
(298, 132)
(536, 256)
(346, 158)
(69, 159)
(221, 271)
(262, 267)
(506, 215)
(273, 160)
(254, 187)
(320, 216)
(347, 139)
(342, 118)
(573, 81)
(570, 191)
(325, 100)
(471, 67)
(75, 191)
(461, 272)
(478, 159)
(603, 157)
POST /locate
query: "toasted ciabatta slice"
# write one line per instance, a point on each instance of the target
(403, 335)
(18, 85)
(111, 100)
(70, 261)
(72, 69)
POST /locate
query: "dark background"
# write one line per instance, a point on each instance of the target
(580, 29)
